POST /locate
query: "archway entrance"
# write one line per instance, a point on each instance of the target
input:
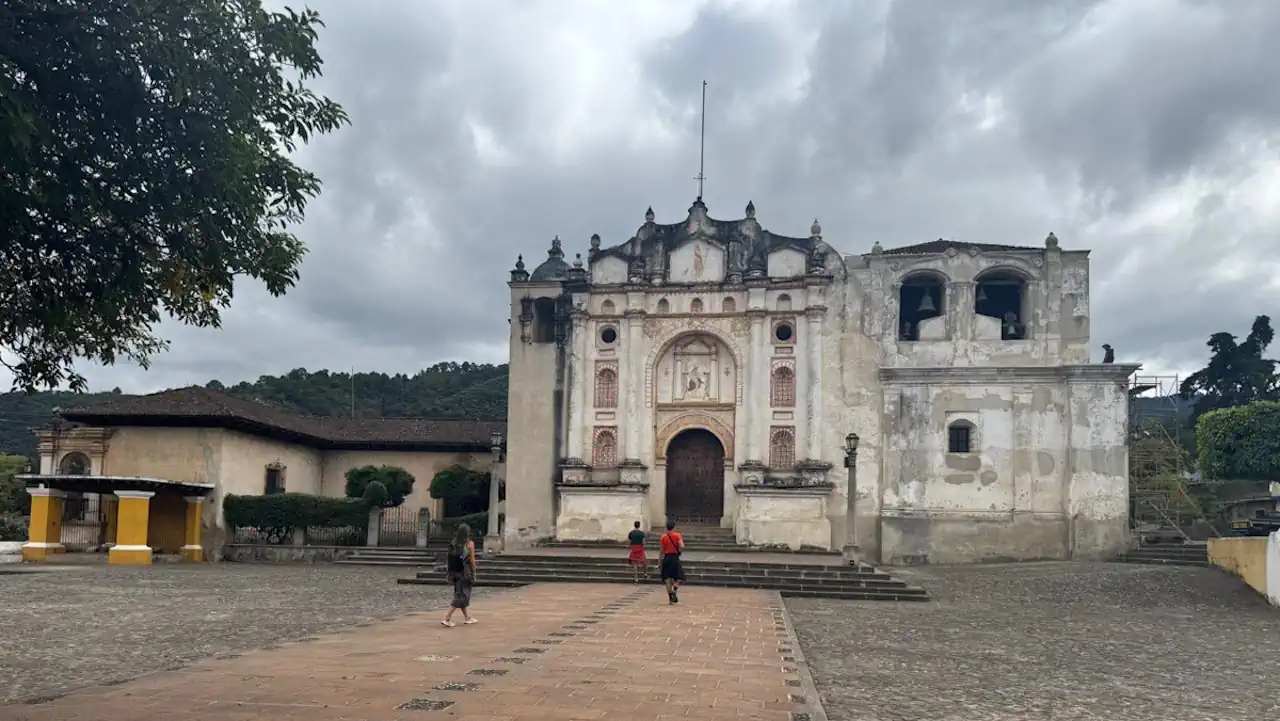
(695, 477)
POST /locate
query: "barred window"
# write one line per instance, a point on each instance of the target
(783, 390)
(729, 305)
(782, 448)
(604, 452)
(606, 388)
(960, 437)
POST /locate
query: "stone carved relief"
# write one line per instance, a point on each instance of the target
(1075, 284)
(719, 423)
(665, 334)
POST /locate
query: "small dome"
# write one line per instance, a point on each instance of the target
(554, 267)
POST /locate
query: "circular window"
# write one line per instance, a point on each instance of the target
(783, 332)
(609, 334)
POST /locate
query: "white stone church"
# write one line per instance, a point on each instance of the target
(713, 372)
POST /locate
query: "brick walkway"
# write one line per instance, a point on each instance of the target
(552, 651)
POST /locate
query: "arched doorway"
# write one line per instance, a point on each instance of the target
(695, 477)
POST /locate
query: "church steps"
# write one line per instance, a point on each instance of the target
(693, 545)
(391, 557)
(702, 573)
(704, 578)
(620, 562)
(786, 588)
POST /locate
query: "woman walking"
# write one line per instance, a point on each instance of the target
(672, 571)
(462, 574)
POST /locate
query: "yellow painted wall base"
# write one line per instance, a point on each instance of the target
(129, 557)
(1246, 557)
(193, 554)
(38, 554)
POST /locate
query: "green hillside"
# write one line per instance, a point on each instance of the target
(464, 391)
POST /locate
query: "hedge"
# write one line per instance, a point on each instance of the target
(479, 523)
(1240, 443)
(282, 512)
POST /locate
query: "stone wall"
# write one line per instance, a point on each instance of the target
(253, 553)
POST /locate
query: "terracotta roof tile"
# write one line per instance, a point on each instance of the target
(202, 405)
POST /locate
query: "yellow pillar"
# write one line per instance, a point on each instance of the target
(132, 513)
(192, 551)
(44, 535)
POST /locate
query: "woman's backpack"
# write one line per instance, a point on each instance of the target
(457, 556)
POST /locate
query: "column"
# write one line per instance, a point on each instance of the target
(580, 373)
(45, 532)
(633, 381)
(132, 517)
(813, 396)
(192, 551)
(754, 425)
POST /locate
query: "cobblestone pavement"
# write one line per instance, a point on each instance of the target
(68, 628)
(549, 651)
(1048, 641)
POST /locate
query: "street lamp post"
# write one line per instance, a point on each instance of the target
(493, 539)
(850, 550)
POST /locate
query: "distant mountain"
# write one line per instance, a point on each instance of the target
(462, 391)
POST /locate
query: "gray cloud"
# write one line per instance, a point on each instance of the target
(1141, 129)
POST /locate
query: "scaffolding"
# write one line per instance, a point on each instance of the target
(1166, 497)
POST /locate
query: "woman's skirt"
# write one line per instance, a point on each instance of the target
(671, 567)
(461, 591)
(637, 555)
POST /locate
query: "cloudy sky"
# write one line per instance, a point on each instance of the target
(1144, 130)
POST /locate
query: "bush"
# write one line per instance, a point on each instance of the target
(398, 482)
(12, 527)
(276, 515)
(463, 490)
(1240, 443)
(375, 494)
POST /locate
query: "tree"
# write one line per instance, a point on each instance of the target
(1236, 374)
(396, 482)
(13, 492)
(1240, 443)
(145, 148)
(463, 490)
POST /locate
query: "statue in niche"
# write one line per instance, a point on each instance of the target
(696, 382)
(699, 261)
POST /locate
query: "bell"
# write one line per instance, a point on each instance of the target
(926, 304)
(982, 294)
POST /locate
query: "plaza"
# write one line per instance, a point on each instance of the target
(242, 641)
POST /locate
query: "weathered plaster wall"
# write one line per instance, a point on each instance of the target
(193, 455)
(531, 423)
(1002, 500)
(245, 459)
(591, 514)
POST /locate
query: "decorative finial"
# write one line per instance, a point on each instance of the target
(555, 251)
(595, 241)
(519, 273)
(877, 249)
(751, 209)
(815, 230)
(648, 215)
(577, 260)
(1051, 241)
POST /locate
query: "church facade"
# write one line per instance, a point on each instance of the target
(933, 403)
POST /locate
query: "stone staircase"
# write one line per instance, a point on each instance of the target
(712, 539)
(376, 556)
(1169, 554)
(810, 580)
